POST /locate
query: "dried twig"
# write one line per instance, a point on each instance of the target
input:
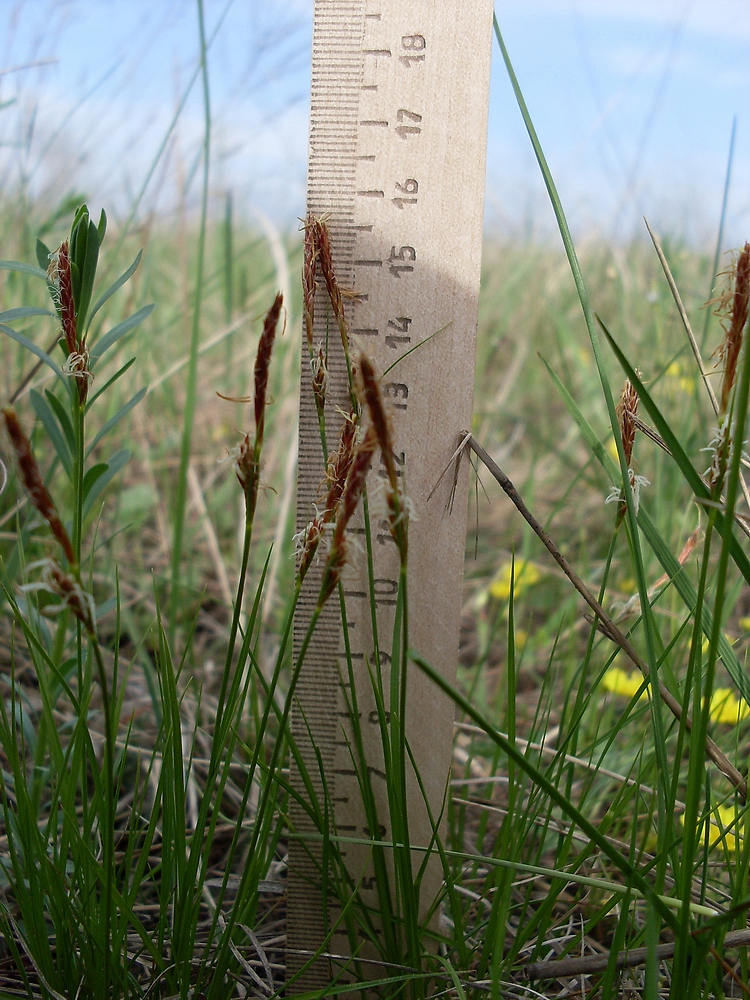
(564, 967)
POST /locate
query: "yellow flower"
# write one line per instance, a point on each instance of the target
(744, 623)
(620, 682)
(726, 708)
(726, 830)
(723, 830)
(525, 575)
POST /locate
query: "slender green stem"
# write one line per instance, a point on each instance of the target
(271, 786)
(216, 748)
(664, 820)
(107, 819)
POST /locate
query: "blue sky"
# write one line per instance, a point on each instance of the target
(633, 101)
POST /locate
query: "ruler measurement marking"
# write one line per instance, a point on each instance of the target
(384, 81)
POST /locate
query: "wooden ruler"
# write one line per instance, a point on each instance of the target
(396, 166)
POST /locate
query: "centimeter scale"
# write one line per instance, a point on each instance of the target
(396, 167)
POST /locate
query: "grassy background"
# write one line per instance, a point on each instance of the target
(527, 878)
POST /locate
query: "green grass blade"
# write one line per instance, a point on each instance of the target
(118, 332)
(113, 421)
(125, 276)
(54, 431)
(34, 349)
(96, 481)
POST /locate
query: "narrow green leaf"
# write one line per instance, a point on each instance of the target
(63, 418)
(102, 227)
(109, 382)
(102, 478)
(17, 265)
(114, 287)
(117, 418)
(23, 312)
(92, 475)
(37, 351)
(633, 877)
(75, 279)
(117, 332)
(105, 608)
(88, 274)
(54, 433)
(43, 254)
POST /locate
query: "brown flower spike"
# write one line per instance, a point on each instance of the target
(262, 364)
(325, 259)
(60, 276)
(32, 480)
(355, 483)
(627, 409)
(309, 273)
(61, 279)
(733, 308)
(337, 473)
(382, 428)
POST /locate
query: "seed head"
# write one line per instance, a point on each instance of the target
(355, 483)
(308, 540)
(246, 461)
(72, 595)
(325, 258)
(340, 463)
(337, 474)
(32, 480)
(60, 276)
(309, 272)
(397, 511)
(627, 409)
(61, 286)
(262, 364)
(376, 408)
(319, 379)
(719, 447)
(733, 310)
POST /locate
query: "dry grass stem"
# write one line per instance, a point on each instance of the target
(564, 968)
